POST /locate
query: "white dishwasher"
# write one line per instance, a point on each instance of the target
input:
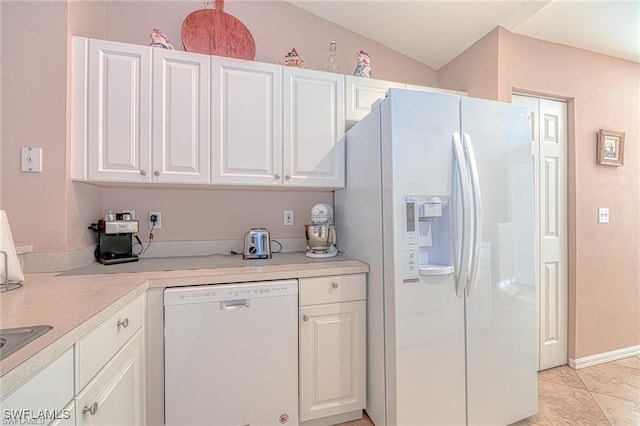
(231, 354)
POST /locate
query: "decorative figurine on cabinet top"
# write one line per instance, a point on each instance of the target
(363, 68)
(293, 59)
(160, 40)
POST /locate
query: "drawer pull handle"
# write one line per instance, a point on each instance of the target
(92, 409)
(277, 176)
(334, 285)
(305, 317)
(124, 323)
(287, 177)
(156, 173)
(143, 172)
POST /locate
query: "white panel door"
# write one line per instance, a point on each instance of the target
(246, 122)
(332, 359)
(119, 111)
(180, 117)
(313, 126)
(549, 144)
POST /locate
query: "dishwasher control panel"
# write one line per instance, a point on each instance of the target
(222, 292)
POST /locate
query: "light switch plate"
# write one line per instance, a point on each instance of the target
(288, 217)
(31, 159)
(603, 215)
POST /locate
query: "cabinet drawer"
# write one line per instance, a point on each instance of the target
(339, 288)
(97, 348)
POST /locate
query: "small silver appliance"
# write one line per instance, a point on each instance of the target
(321, 233)
(257, 244)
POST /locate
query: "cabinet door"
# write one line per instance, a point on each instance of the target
(362, 92)
(116, 395)
(50, 389)
(181, 84)
(313, 125)
(119, 104)
(332, 359)
(246, 123)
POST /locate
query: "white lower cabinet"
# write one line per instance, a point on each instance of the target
(109, 370)
(115, 396)
(42, 399)
(332, 357)
(67, 417)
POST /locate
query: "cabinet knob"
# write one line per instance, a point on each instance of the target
(143, 172)
(124, 323)
(156, 173)
(334, 285)
(305, 317)
(287, 177)
(92, 409)
(277, 176)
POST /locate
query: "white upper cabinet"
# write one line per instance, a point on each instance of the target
(180, 148)
(151, 115)
(119, 107)
(362, 92)
(313, 126)
(246, 122)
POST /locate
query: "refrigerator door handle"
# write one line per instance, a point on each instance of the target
(477, 210)
(462, 272)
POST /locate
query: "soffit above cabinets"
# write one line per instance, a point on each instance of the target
(435, 32)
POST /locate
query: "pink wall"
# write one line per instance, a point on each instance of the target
(475, 70)
(34, 74)
(201, 214)
(602, 92)
(52, 212)
(84, 202)
(606, 94)
(276, 27)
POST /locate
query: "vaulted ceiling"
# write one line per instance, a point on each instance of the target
(434, 32)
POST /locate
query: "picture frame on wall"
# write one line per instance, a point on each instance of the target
(610, 148)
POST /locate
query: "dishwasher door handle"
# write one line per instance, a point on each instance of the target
(235, 304)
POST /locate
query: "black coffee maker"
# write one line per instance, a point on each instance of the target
(115, 238)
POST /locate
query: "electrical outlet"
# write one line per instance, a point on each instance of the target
(158, 220)
(288, 217)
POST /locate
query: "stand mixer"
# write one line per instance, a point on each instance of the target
(321, 233)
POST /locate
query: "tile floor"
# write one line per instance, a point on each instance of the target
(605, 394)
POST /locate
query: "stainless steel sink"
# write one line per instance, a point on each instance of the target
(13, 339)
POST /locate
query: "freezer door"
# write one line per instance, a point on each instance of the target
(501, 306)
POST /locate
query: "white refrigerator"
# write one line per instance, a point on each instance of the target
(439, 202)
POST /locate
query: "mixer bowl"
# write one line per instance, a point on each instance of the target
(320, 237)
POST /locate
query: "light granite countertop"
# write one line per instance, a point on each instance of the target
(77, 301)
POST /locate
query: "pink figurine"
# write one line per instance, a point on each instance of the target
(160, 40)
(363, 68)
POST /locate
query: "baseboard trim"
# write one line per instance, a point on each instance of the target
(590, 361)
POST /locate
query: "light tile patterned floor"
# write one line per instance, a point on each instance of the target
(605, 394)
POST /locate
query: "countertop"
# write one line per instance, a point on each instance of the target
(77, 301)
